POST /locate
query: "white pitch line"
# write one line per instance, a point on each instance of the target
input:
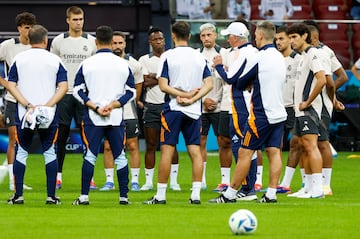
(3, 171)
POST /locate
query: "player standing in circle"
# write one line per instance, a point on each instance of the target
(8, 50)
(72, 47)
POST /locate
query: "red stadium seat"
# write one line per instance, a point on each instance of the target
(327, 2)
(338, 45)
(356, 55)
(355, 42)
(331, 12)
(333, 31)
(302, 12)
(344, 60)
(255, 12)
(341, 49)
(356, 28)
(300, 2)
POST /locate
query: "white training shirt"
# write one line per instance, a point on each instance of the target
(291, 62)
(357, 64)
(234, 9)
(72, 51)
(267, 93)
(216, 92)
(150, 64)
(334, 64)
(280, 8)
(103, 78)
(37, 73)
(136, 69)
(309, 64)
(8, 50)
(185, 69)
(225, 104)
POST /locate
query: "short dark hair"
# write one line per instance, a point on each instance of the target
(74, 10)
(282, 29)
(181, 30)
(301, 29)
(311, 23)
(119, 33)
(25, 18)
(154, 29)
(37, 34)
(104, 34)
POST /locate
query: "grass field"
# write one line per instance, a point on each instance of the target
(335, 216)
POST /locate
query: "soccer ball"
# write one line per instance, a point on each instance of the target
(242, 221)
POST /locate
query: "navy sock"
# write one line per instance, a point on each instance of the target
(19, 172)
(87, 174)
(123, 179)
(51, 170)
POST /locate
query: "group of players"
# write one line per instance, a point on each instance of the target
(238, 96)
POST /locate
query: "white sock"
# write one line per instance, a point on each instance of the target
(59, 176)
(195, 192)
(259, 175)
(203, 181)
(326, 174)
(230, 193)
(161, 191)
(135, 175)
(317, 184)
(149, 174)
(174, 174)
(92, 180)
(225, 175)
(109, 173)
(11, 173)
(271, 193)
(84, 197)
(302, 172)
(308, 183)
(289, 173)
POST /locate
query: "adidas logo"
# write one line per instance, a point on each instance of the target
(235, 138)
(306, 128)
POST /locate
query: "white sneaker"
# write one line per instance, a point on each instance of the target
(175, 187)
(300, 192)
(327, 190)
(304, 195)
(25, 187)
(146, 187)
(312, 195)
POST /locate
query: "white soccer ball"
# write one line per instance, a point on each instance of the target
(242, 221)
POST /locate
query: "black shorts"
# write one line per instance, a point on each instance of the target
(290, 120)
(151, 115)
(208, 119)
(10, 111)
(324, 127)
(224, 124)
(132, 128)
(69, 108)
(308, 124)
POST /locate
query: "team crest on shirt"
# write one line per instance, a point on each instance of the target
(289, 68)
(314, 58)
(85, 48)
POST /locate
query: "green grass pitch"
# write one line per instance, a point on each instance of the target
(335, 216)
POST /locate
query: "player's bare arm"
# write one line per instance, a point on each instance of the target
(320, 83)
(150, 80)
(61, 90)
